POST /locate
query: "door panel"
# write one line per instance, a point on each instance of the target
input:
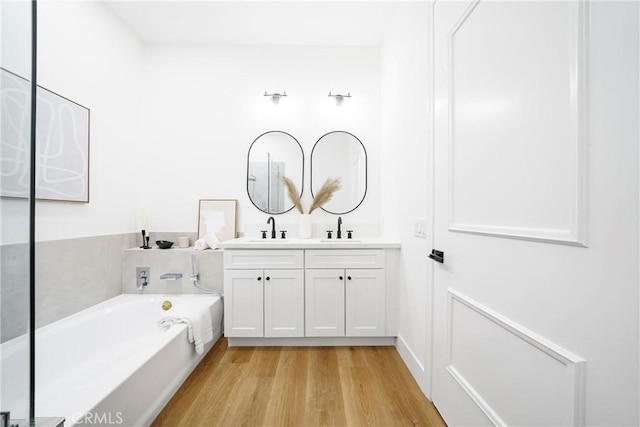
(525, 308)
(514, 101)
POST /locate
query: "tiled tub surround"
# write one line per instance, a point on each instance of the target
(173, 260)
(71, 275)
(14, 290)
(75, 274)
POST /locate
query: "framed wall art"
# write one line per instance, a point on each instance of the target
(62, 143)
(218, 216)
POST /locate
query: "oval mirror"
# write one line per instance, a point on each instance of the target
(340, 154)
(271, 156)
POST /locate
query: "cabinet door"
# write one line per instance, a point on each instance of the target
(365, 303)
(243, 302)
(284, 303)
(324, 302)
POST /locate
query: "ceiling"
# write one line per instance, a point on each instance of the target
(288, 23)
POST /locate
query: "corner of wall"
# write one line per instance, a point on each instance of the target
(413, 364)
(406, 152)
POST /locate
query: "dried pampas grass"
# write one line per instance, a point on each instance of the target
(330, 186)
(292, 191)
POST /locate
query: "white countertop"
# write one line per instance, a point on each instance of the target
(296, 243)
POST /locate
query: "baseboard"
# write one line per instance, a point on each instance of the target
(311, 341)
(412, 362)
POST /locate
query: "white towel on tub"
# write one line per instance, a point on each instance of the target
(210, 241)
(197, 317)
(200, 245)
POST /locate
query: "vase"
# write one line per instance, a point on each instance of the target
(306, 226)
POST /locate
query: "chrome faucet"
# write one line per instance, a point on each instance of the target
(273, 226)
(339, 233)
(142, 277)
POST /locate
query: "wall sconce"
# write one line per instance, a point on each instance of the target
(275, 97)
(339, 97)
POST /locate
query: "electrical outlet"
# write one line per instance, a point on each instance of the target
(420, 228)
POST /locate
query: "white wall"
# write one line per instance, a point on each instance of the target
(172, 124)
(88, 56)
(609, 336)
(406, 174)
(204, 106)
(15, 37)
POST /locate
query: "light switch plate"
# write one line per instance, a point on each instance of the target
(420, 228)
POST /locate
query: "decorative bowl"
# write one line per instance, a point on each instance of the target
(164, 244)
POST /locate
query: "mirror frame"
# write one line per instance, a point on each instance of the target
(366, 171)
(247, 174)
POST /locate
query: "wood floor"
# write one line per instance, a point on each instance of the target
(299, 386)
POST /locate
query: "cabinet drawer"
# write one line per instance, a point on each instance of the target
(344, 258)
(261, 259)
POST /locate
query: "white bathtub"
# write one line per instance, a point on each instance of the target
(111, 362)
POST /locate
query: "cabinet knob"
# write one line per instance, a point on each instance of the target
(341, 278)
(348, 277)
(259, 279)
(267, 278)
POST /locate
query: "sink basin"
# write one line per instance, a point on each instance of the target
(340, 240)
(269, 240)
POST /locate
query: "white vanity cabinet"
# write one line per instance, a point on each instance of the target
(310, 292)
(345, 293)
(264, 293)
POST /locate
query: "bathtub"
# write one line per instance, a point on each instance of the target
(110, 364)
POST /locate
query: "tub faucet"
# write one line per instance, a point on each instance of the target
(339, 232)
(272, 220)
(142, 277)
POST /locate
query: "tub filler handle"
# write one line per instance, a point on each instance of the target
(142, 277)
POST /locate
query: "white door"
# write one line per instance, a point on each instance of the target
(536, 196)
(365, 303)
(243, 303)
(284, 303)
(324, 302)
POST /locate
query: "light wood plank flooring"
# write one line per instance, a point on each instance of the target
(299, 386)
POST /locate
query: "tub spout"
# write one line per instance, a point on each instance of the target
(171, 276)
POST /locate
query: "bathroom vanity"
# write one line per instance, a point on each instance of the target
(310, 292)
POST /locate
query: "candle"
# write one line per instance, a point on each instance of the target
(144, 221)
